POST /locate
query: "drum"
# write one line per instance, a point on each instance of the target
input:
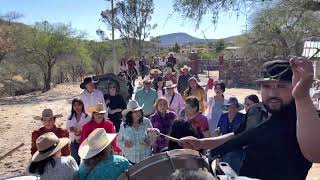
(22, 178)
(162, 165)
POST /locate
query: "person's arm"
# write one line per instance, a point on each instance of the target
(34, 137)
(205, 143)
(84, 133)
(120, 138)
(308, 122)
(65, 151)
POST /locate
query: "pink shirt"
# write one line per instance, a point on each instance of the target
(177, 103)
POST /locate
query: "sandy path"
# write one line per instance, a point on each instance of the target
(16, 123)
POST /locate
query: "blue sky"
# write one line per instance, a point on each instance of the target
(84, 15)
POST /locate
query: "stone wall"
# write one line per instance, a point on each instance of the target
(241, 72)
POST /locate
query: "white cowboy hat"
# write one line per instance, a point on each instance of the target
(169, 85)
(185, 67)
(46, 114)
(99, 108)
(47, 145)
(132, 105)
(97, 141)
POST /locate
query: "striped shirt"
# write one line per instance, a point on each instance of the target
(138, 136)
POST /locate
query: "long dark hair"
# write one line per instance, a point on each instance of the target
(155, 85)
(104, 154)
(129, 120)
(38, 167)
(189, 87)
(73, 112)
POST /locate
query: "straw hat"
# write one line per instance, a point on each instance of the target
(132, 105)
(46, 114)
(154, 71)
(97, 141)
(185, 67)
(99, 108)
(169, 85)
(47, 145)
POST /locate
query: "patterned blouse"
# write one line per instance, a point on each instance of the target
(164, 124)
(138, 136)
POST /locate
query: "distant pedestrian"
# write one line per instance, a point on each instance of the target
(183, 79)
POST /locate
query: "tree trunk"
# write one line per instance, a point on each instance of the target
(47, 79)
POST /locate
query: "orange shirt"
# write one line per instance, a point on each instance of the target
(200, 94)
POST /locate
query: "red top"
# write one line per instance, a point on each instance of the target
(199, 123)
(59, 132)
(106, 125)
(170, 78)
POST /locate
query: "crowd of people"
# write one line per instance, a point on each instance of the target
(106, 134)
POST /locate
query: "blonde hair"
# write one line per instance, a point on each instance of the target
(158, 101)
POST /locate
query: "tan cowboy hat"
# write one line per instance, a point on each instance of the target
(154, 71)
(46, 114)
(99, 108)
(169, 85)
(47, 145)
(132, 105)
(185, 67)
(97, 141)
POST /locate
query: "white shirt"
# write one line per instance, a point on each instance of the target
(162, 62)
(92, 99)
(177, 103)
(77, 124)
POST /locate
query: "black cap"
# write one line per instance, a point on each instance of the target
(276, 70)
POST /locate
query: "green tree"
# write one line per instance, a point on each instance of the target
(176, 48)
(133, 21)
(281, 31)
(220, 46)
(46, 44)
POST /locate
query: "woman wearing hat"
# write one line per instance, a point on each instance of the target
(98, 121)
(163, 120)
(133, 137)
(98, 159)
(48, 163)
(196, 90)
(48, 120)
(176, 102)
(228, 123)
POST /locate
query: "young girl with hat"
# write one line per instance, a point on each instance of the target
(98, 121)
(48, 163)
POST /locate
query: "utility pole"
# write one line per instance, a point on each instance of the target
(114, 57)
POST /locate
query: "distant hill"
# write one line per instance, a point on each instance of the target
(184, 38)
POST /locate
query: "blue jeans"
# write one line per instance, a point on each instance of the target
(74, 151)
(234, 159)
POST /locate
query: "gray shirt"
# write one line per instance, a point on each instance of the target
(65, 168)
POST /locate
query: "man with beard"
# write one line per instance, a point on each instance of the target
(270, 132)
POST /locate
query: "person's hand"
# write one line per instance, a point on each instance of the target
(190, 142)
(217, 131)
(153, 132)
(128, 144)
(107, 101)
(302, 79)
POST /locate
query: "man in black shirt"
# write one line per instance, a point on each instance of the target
(268, 134)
